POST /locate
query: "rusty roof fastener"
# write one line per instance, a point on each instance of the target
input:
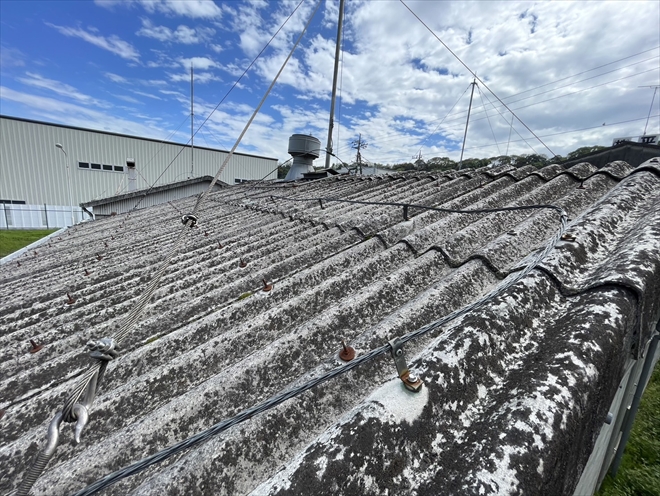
(581, 186)
(18, 263)
(347, 353)
(242, 264)
(206, 234)
(567, 237)
(70, 300)
(105, 243)
(99, 257)
(220, 245)
(87, 272)
(35, 347)
(267, 287)
(2, 412)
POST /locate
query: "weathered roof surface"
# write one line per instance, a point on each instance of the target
(514, 392)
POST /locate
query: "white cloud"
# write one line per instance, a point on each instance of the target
(10, 57)
(63, 89)
(200, 77)
(182, 34)
(116, 78)
(203, 63)
(51, 110)
(113, 43)
(196, 9)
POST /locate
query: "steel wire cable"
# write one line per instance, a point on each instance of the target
(96, 369)
(331, 374)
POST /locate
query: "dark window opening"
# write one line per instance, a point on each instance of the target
(119, 168)
(83, 165)
(96, 166)
(13, 202)
(107, 167)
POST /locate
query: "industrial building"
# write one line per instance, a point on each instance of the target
(36, 159)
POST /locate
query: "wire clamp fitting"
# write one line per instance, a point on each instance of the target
(103, 349)
(191, 218)
(410, 380)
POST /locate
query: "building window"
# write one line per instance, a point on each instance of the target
(119, 168)
(239, 181)
(107, 167)
(96, 166)
(83, 165)
(13, 202)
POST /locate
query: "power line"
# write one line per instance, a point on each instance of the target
(475, 76)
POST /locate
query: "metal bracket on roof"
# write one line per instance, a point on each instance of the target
(191, 218)
(409, 379)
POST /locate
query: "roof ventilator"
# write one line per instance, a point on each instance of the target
(304, 149)
(409, 379)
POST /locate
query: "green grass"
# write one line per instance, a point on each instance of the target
(639, 473)
(15, 239)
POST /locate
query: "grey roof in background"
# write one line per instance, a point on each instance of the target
(154, 189)
(514, 393)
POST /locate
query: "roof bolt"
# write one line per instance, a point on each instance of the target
(2, 413)
(412, 377)
(87, 272)
(581, 186)
(242, 264)
(267, 287)
(18, 263)
(206, 234)
(35, 347)
(220, 245)
(568, 237)
(105, 243)
(99, 257)
(70, 300)
(347, 353)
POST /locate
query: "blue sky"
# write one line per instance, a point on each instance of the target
(571, 71)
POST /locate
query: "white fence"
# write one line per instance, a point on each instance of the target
(14, 216)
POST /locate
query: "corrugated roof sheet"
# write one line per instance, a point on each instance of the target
(514, 393)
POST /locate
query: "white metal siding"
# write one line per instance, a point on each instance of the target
(33, 170)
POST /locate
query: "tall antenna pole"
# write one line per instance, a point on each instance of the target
(460, 162)
(334, 85)
(192, 115)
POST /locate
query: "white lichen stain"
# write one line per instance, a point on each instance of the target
(504, 477)
(401, 404)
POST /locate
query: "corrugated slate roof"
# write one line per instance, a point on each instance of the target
(514, 393)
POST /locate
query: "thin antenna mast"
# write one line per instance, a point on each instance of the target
(460, 162)
(655, 90)
(334, 85)
(192, 118)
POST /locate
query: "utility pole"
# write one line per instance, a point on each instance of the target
(460, 162)
(359, 144)
(655, 90)
(417, 158)
(192, 116)
(334, 85)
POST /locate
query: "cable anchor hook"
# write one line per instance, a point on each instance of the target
(410, 380)
(189, 218)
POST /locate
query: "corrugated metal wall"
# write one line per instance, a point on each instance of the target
(33, 170)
